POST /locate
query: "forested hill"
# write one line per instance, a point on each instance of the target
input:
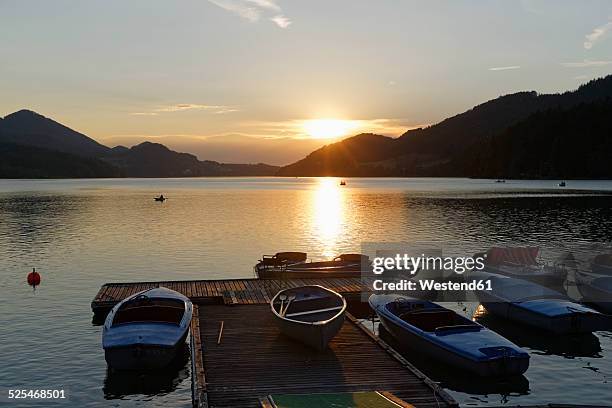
(444, 148)
(556, 143)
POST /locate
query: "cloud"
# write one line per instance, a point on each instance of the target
(297, 128)
(192, 106)
(505, 68)
(181, 107)
(597, 34)
(586, 63)
(143, 113)
(252, 10)
(281, 21)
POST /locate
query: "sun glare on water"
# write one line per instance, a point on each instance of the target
(329, 128)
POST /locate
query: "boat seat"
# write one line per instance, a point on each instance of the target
(430, 320)
(308, 312)
(152, 313)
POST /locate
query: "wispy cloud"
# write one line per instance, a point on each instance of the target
(252, 10)
(586, 63)
(505, 68)
(297, 128)
(193, 106)
(597, 34)
(181, 107)
(281, 21)
(143, 113)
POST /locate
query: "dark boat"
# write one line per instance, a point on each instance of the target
(279, 260)
(146, 330)
(537, 306)
(312, 314)
(343, 183)
(445, 335)
(161, 198)
(562, 184)
(342, 266)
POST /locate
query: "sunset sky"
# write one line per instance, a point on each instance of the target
(270, 80)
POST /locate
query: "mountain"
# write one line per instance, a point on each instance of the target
(19, 161)
(437, 150)
(556, 143)
(31, 129)
(156, 160)
(38, 147)
(355, 156)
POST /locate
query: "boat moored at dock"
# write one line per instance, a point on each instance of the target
(445, 335)
(342, 266)
(146, 330)
(310, 314)
(537, 306)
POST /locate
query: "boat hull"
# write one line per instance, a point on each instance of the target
(564, 324)
(316, 336)
(142, 356)
(536, 306)
(492, 368)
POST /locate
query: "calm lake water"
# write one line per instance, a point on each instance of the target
(82, 233)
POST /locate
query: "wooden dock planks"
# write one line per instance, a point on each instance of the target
(253, 360)
(227, 291)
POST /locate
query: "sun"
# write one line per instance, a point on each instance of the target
(328, 128)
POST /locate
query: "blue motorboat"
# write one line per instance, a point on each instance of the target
(445, 335)
(537, 306)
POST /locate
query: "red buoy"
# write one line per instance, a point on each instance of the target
(33, 278)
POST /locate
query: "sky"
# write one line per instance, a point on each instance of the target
(271, 80)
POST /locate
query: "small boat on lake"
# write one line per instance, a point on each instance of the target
(537, 306)
(310, 314)
(161, 198)
(445, 335)
(343, 183)
(146, 330)
(562, 184)
(342, 266)
(522, 263)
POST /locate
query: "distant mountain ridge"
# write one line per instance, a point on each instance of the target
(34, 146)
(440, 149)
(29, 128)
(156, 160)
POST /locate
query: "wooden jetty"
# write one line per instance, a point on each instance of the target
(239, 356)
(222, 291)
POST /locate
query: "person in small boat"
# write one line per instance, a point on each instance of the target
(161, 197)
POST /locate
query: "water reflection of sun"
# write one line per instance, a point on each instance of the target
(328, 215)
